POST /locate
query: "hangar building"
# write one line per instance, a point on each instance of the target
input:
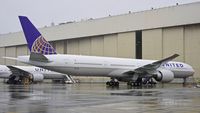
(151, 34)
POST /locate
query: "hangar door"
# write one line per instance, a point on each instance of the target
(138, 44)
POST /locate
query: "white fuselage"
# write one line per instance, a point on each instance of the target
(102, 66)
(5, 72)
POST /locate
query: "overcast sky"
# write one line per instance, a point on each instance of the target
(44, 12)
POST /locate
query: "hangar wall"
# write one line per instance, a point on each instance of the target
(21, 50)
(126, 45)
(173, 42)
(2, 54)
(97, 46)
(192, 47)
(60, 47)
(11, 52)
(152, 44)
(184, 40)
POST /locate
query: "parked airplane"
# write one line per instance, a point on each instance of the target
(132, 71)
(29, 74)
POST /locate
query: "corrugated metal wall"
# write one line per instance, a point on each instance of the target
(184, 40)
(192, 47)
(152, 44)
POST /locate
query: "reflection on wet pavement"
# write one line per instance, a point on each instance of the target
(97, 98)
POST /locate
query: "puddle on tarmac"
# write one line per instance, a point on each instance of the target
(91, 98)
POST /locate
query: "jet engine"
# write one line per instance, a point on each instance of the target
(164, 76)
(37, 77)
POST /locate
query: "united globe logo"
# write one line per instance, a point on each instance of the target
(40, 45)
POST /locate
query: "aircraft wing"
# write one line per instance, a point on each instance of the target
(18, 71)
(150, 68)
(143, 70)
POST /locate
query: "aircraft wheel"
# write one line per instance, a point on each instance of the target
(132, 83)
(108, 83)
(112, 83)
(116, 83)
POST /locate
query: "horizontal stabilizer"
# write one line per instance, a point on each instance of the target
(38, 57)
(10, 58)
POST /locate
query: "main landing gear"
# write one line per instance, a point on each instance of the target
(132, 83)
(137, 83)
(112, 83)
(25, 80)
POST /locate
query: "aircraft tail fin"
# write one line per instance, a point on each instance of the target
(36, 42)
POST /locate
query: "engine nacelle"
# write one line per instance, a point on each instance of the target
(37, 77)
(164, 76)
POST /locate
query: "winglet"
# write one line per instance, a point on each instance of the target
(167, 59)
(36, 42)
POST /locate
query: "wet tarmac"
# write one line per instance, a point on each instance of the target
(97, 98)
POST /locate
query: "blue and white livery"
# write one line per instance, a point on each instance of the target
(36, 42)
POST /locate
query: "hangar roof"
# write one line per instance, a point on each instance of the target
(150, 19)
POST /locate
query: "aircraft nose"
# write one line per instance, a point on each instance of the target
(192, 71)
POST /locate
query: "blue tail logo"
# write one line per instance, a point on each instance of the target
(36, 42)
